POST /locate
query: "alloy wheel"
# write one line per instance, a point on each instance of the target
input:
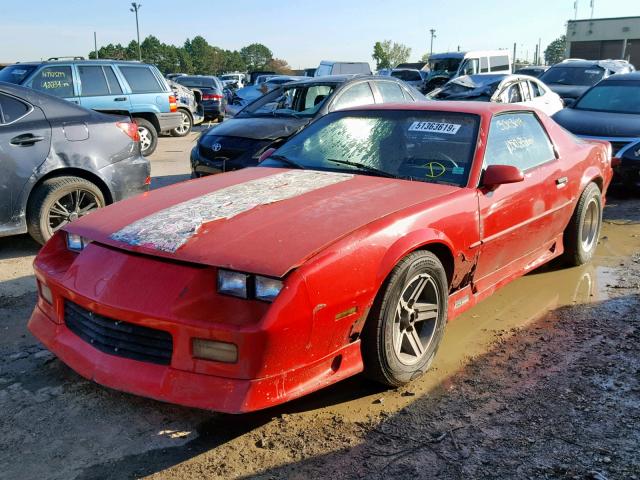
(70, 207)
(145, 138)
(590, 225)
(184, 127)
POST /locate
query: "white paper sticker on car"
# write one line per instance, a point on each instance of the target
(169, 229)
(435, 127)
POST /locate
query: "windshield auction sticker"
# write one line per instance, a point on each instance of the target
(435, 127)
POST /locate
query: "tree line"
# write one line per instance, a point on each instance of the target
(196, 57)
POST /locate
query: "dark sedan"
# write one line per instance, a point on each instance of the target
(572, 78)
(214, 100)
(60, 161)
(273, 118)
(611, 111)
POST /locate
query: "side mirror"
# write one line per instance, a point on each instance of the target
(496, 175)
(266, 154)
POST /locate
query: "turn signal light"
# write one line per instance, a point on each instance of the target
(214, 350)
(173, 104)
(45, 292)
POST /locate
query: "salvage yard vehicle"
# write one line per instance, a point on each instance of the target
(214, 101)
(60, 161)
(532, 70)
(109, 86)
(572, 77)
(446, 66)
(610, 111)
(190, 107)
(347, 249)
(501, 88)
(416, 78)
(270, 120)
(328, 67)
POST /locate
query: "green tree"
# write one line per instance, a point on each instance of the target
(256, 56)
(388, 54)
(111, 51)
(279, 66)
(555, 51)
(200, 52)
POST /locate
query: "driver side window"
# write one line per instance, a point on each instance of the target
(517, 139)
(470, 67)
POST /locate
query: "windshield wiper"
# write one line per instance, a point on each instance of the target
(286, 161)
(362, 166)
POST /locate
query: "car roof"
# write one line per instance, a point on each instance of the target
(86, 60)
(474, 108)
(632, 76)
(338, 79)
(615, 65)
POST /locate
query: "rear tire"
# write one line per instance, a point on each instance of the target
(582, 233)
(407, 321)
(58, 201)
(148, 136)
(185, 128)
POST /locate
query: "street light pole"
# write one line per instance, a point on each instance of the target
(134, 8)
(433, 35)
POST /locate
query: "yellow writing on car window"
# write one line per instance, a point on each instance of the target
(52, 84)
(53, 74)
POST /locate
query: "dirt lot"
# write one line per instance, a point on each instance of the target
(539, 381)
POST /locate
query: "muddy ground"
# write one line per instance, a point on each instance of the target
(540, 381)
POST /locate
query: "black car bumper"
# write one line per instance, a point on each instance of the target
(232, 154)
(212, 108)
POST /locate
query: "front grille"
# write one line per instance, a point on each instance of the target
(231, 148)
(119, 338)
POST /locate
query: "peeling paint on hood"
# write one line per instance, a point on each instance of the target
(169, 229)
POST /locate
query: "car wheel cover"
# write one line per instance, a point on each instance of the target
(415, 319)
(145, 138)
(71, 206)
(590, 225)
(185, 125)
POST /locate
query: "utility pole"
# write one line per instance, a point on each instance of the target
(592, 6)
(539, 51)
(433, 35)
(575, 10)
(95, 44)
(514, 56)
(134, 8)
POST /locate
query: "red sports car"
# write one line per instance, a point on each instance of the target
(346, 250)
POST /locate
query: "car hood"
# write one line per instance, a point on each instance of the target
(568, 91)
(260, 220)
(599, 124)
(262, 128)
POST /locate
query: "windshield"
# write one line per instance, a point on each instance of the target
(444, 64)
(427, 146)
(573, 75)
(294, 101)
(407, 75)
(617, 97)
(16, 73)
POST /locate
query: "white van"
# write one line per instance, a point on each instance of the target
(327, 67)
(445, 66)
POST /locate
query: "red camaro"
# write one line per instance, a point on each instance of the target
(346, 250)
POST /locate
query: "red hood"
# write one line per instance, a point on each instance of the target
(269, 238)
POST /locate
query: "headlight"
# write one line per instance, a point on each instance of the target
(232, 283)
(244, 285)
(267, 289)
(76, 242)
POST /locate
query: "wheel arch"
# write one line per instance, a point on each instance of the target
(72, 172)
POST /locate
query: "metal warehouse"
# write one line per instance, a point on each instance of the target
(600, 38)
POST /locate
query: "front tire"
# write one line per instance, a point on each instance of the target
(407, 321)
(148, 136)
(582, 233)
(58, 201)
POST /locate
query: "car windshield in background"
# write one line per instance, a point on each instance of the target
(294, 101)
(445, 64)
(573, 75)
(435, 147)
(407, 75)
(16, 73)
(196, 82)
(617, 97)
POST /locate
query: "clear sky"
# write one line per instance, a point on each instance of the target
(301, 32)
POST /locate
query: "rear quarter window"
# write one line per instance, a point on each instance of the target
(141, 79)
(12, 109)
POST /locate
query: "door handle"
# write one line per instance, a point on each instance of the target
(120, 99)
(561, 182)
(25, 139)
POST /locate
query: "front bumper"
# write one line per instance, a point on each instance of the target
(275, 363)
(169, 121)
